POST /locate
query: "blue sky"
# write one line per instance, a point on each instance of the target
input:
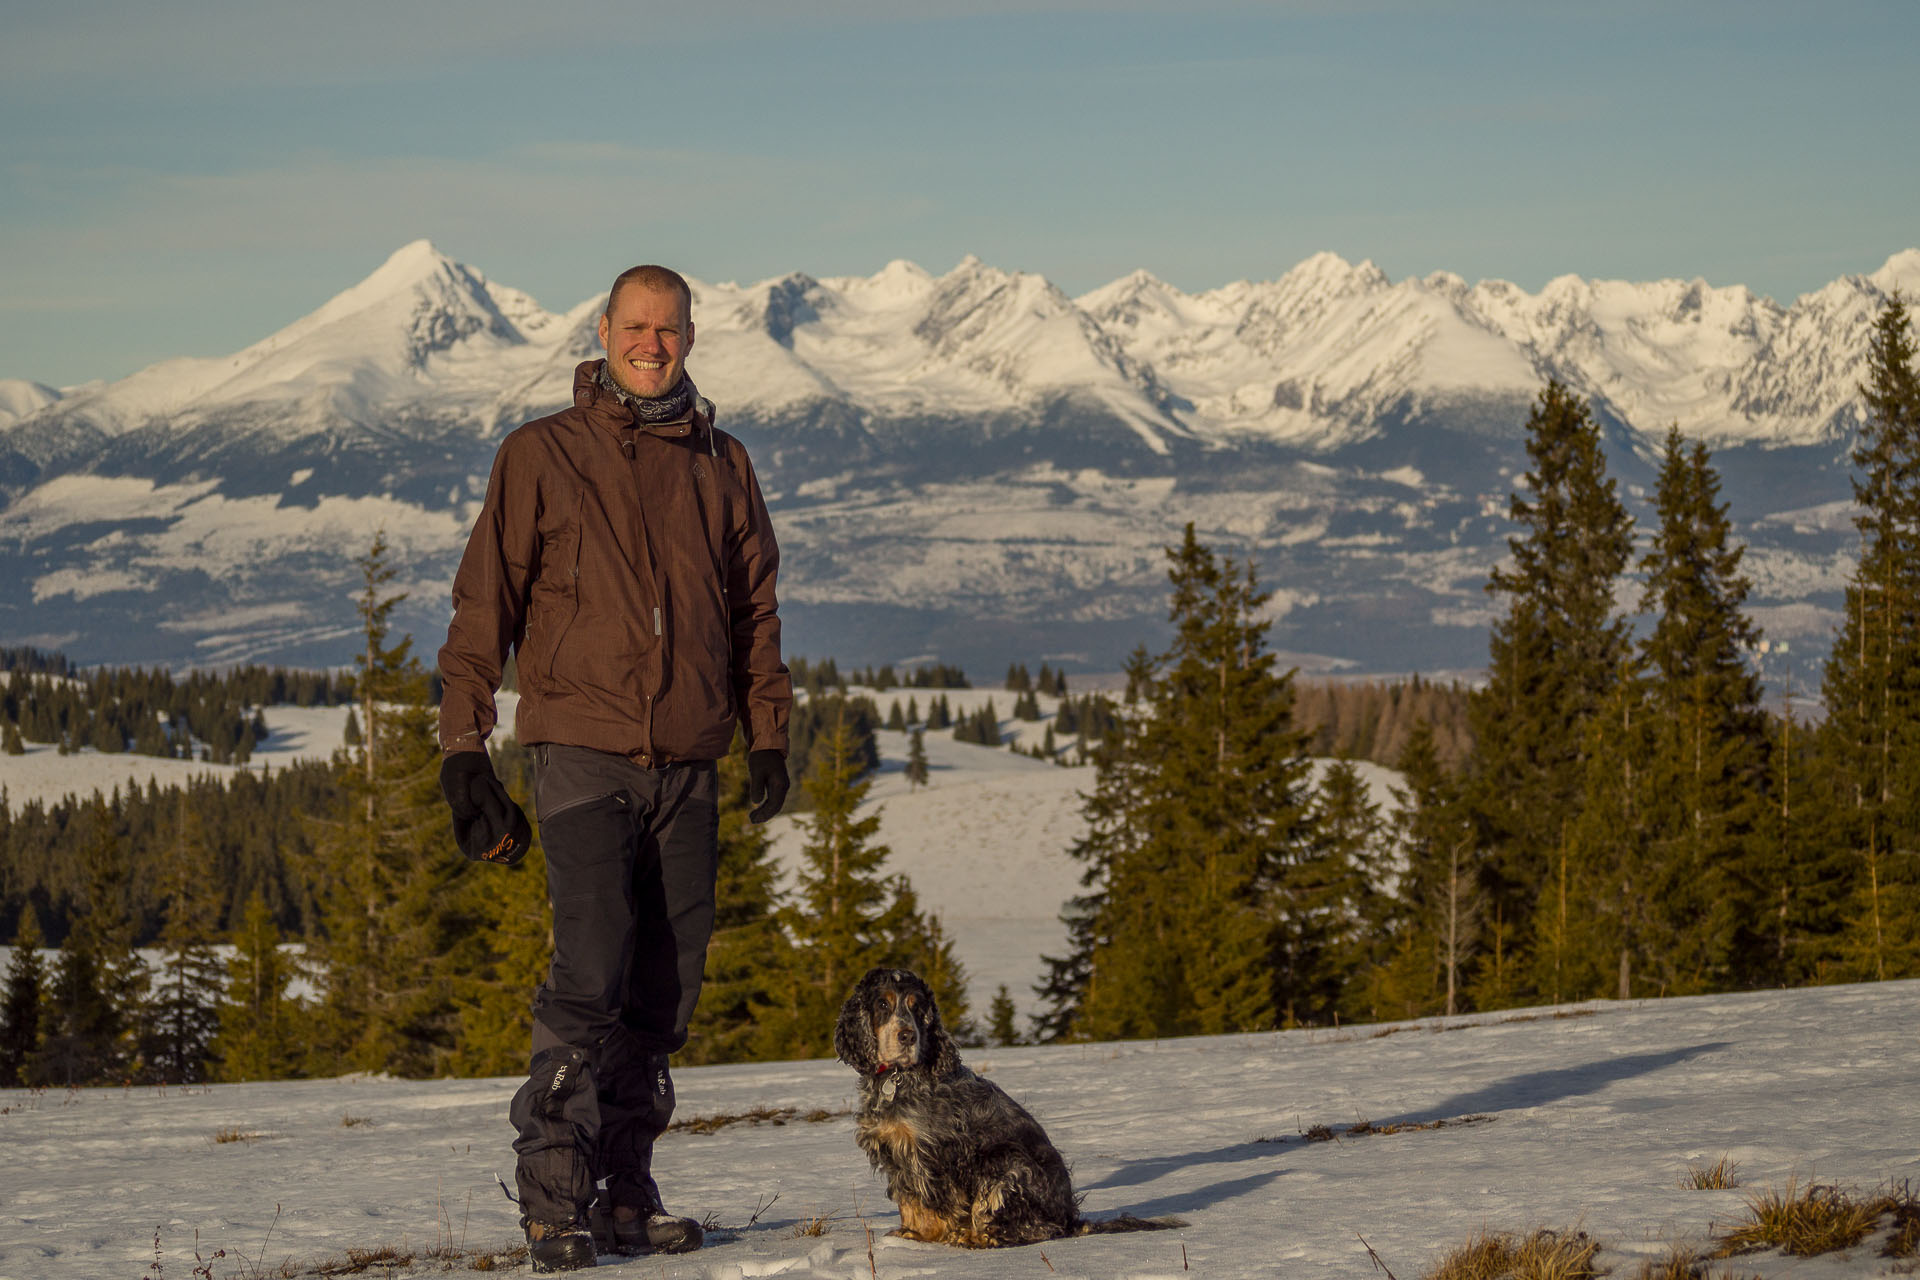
(181, 180)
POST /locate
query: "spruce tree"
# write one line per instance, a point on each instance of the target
(918, 770)
(1864, 898)
(384, 866)
(1436, 913)
(1197, 814)
(1553, 657)
(1000, 1019)
(1595, 924)
(1339, 916)
(749, 953)
(96, 997)
(847, 915)
(26, 984)
(188, 985)
(260, 1027)
(896, 718)
(1708, 771)
(10, 740)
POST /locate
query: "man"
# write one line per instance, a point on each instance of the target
(624, 553)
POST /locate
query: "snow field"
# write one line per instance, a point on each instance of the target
(1594, 1117)
(293, 734)
(986, 842)
(43, 774)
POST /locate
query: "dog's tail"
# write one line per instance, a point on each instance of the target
(1125, 1222)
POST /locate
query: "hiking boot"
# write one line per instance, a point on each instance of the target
(558, 1246)
(637, 1230)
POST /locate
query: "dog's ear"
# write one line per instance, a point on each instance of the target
(853, 1038)
(942, 1056)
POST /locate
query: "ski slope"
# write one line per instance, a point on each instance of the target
(1592, 1114)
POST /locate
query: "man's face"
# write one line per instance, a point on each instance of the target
(647, 336)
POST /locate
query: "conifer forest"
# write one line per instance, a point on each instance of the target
(1615, 811)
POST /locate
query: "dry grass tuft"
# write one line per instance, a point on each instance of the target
(1543, 1255)
(385, 1259)
(1804, 1223)
(816, 1226)
(1483, 1257)
(498, 1261)
(1324, 1133)
(1680, 1263)
(1409, 1126)
(754, 1116)
(1722, 1175)
(1904, 1207)
(225, 1136)
(351, 1121)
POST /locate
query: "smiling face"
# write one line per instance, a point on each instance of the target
(647, 333)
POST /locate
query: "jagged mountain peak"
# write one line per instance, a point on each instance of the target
(411, 261)
(435, 300)
(1124, 300)
(1902, 272)
(20, 398)
(896, 281)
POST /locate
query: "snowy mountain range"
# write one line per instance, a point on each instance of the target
(972, 465)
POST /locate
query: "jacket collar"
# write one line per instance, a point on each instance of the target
(610, 415)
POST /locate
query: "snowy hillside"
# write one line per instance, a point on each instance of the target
(1578, 1118)
(966, 465)
(986, 842)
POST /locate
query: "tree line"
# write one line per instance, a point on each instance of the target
(1627, 819)
(209, 716)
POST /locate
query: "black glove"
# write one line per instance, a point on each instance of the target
(487, 825)
(766, 783)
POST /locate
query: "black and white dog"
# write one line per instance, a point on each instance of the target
(965, 1163)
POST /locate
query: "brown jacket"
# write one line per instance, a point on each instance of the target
(631, 568)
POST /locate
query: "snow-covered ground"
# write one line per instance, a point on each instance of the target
(1590, 1119)
(43, 774)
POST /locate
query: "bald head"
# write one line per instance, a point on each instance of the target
(656, 278)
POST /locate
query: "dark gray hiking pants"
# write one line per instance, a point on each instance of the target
(631, 858)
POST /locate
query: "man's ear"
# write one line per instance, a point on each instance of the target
(689, 346)
(603, 333)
